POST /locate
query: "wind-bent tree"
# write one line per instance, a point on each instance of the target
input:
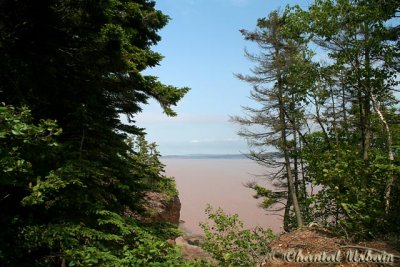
(270, 124)
(78, 63)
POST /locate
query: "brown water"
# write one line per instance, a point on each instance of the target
(219, 182)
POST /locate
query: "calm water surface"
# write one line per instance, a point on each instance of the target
(219, 182)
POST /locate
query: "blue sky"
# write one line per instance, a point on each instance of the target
(203, 48)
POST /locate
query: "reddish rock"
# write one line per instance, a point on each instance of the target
(162, 209)
(159, 208)
(192, 252)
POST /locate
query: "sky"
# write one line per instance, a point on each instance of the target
(203, 49)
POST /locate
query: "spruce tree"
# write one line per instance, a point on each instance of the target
(80, 64)
(270, 124)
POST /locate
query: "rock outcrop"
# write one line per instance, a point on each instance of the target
(191, 249)
(162, 209)
(158, 208)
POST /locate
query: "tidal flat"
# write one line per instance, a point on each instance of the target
(220, 183)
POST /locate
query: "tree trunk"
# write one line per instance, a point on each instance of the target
(334, 124)
(344, 112)
(286, 154)
(318, 118)
(389, 144)
(367, 90)
(295, 158)
(286, 215)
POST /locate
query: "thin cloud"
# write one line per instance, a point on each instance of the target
(162, 118)
(207, 140)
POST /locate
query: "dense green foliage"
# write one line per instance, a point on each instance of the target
(146, 156)
(115, 240)
(66, 195)
(333, 115)
(232, 245)
(21, 141)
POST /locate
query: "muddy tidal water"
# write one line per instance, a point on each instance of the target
(220, 183)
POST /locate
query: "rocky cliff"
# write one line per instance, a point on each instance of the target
(162, 209)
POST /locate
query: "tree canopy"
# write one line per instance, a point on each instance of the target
(69, 71)
(334, 120)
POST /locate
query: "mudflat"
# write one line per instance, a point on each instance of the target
(220, 183)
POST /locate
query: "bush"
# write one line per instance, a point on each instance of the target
(230, 244)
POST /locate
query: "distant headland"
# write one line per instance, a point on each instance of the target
(214, 156)
(206, 156)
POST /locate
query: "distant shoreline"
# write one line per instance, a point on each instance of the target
(206, 156)
(216, 156)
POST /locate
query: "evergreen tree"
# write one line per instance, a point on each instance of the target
(270, 89)
(80, 64)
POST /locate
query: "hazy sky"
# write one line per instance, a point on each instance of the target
(203, 48)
